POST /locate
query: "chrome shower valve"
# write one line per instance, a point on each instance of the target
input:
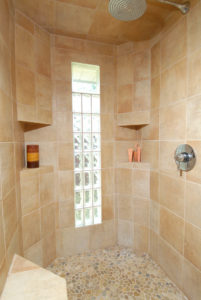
(185, 157)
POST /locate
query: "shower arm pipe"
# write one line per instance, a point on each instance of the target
(183, 7)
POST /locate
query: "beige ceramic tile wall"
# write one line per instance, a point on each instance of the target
(132, 198)
(11, 146)
(133, 77)
(56, 143)
(175, 209)
(132, 193)
(38, 214)
(33, 71)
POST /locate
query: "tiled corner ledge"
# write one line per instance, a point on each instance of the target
(28, 281)
(40, 170)
(137, 118)
(134, 165)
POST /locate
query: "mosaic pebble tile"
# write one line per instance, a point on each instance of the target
(114, 274)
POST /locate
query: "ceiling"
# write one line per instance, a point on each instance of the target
(89, 19)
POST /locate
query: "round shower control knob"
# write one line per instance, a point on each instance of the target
(185, 157)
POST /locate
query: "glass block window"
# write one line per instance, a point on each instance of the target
(87, 144)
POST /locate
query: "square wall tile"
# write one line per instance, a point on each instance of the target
(125, 66)
(108, 207)
(172, 194)
(193, 203)
(24, 49)
(141, 95)
(65, 185)
(195, 173)
(194, 28)
(42, 57)
(125, 207)
(107, 127)
(4, 23)
(166, 157)
(47, 188)
(9, 215)
(44, 92)
(107, 178)
(35, 253)
(61, 65)
(140, 183)
(24, 22)
(31, 229)
(151, 131)
(153, 245)
(125, 233)
(5, 67)
(2, 248)
(155, 60)
(6, 107)
(82, 240)
(141, 239)
(154, 217)
(65, 242)
(155, 92)
(3, 274)
(193, 107)
(107, 154)
(171, 261)
(124, 98)
(191, 281)
(173, 45)
(47, 219)
(49, 248)
(141, 211)
(108, 97)
(64, 124)
(66, 214)
(63, 95)
(154, 185)
(194, 75)
(172, 124)
(172, 229)
(141, 66)
(124, 186)
(65, 156)
(29, 193)
(150, 153)
(25, 83)
(173, 83)
(192, 244)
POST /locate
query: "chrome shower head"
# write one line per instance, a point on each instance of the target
(127, 10)
(183, 7)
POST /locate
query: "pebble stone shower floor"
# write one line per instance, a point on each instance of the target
(114, 274)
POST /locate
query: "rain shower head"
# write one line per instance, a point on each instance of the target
(127, 10)
(130, 10)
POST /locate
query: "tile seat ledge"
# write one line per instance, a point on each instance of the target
(133, 165)
(27, 281)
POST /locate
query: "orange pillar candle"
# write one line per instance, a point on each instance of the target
(32, 156)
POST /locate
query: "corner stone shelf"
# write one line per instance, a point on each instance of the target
(33, 171)
(137, 118)
(134, 165)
